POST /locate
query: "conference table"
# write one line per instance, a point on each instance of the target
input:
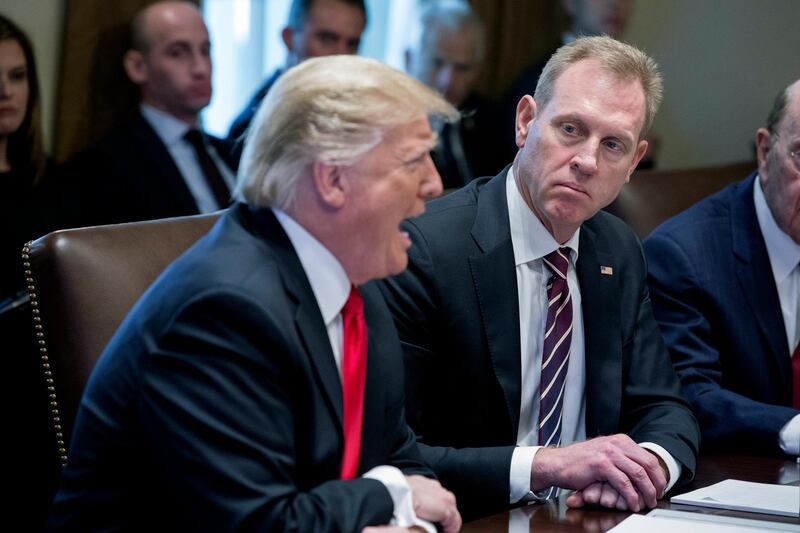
(711, 468)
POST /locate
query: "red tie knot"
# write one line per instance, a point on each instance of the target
(354, 306)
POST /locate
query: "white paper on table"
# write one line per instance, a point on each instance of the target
(669, 521)
(739, 495)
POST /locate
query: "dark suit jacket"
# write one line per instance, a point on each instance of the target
(218, 406)
(128, 176)
(479, 147)
(457, 313)
(714, 297)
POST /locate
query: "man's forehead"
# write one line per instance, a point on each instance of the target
(174, 24)
(587, 83)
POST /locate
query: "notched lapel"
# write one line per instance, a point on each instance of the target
(496, 286)
(600, 303)
(308, 320)
(755, 277)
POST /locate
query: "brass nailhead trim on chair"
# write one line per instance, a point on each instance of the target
(48, 375)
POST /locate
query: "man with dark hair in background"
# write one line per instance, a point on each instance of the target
(725, 280)
(315, 28)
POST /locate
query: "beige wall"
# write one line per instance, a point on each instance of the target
(42, 21)
(723, 63)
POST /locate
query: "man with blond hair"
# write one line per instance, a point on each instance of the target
(257, 385)
(533, 362)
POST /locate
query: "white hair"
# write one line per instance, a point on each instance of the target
(331, 109)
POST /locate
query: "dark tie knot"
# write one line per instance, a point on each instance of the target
(354, 304)
(194, 137)
(558, 262)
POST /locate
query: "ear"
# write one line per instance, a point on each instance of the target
(641, 148)
(329, 184)
(135, 67)
(763, 146)
(526, 113)
(287, 34)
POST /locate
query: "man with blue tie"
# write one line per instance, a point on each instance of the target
(533, 362)
(258, 384)
(725, 280)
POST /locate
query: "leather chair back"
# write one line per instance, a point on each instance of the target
(653, 196)
(82, 283)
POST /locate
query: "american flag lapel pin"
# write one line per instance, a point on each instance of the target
(606, 270)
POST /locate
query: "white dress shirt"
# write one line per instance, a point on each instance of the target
(531, 242)
(784, 258)
(331, 287)
(171, 131)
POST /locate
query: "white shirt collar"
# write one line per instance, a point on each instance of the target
(168, 128)
(325, 274)
(784, 253)
(529, 237)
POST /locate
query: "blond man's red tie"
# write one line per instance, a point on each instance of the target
(354, 374)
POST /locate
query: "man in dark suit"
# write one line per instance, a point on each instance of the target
(254, 387)
(447, 54)
(316, 28)
(159, 164)
(524, 314)
(725, 280)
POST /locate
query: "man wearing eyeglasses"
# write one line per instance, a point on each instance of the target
(724, 278)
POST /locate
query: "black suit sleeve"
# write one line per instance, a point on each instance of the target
(478, 476)
(219, 403)
(684, 310)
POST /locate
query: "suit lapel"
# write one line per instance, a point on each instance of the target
(495, 279)
(601, 325)
(308, 320)
(168, 182)
(756, 279)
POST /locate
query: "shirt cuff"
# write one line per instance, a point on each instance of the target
(395, 482)
(520, 475)
(672, 465)
(789, 437)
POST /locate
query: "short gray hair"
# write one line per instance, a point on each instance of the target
(626, 62)
(331, 109)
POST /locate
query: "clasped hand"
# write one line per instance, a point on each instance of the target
(611, 471)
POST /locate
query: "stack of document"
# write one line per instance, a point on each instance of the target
(669, 521)
(738, 495)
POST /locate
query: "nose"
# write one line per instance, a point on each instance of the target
(585, 162)
(431, 185)
(4, 87)
(201, 65)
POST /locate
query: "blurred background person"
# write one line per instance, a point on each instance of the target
(446, 53)
(160, 163)
(315, 28)
(23, 167)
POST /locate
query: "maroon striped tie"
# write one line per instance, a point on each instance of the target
(556, 349)
(796, 377)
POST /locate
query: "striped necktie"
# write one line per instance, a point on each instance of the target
(555, 351)
(556, 348)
